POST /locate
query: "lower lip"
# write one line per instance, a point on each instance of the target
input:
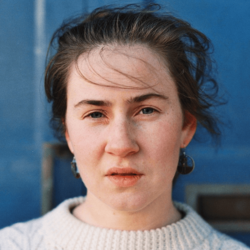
(124, 180)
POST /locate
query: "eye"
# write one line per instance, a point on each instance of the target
(96, 115)
(147, 111)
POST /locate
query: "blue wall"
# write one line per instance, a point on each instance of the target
(19, 161)
(24, 36)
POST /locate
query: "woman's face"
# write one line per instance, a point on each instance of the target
(126, 140)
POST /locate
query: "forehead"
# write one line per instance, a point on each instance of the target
(129, 68)
(116, 65)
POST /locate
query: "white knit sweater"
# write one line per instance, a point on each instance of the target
(60, 230)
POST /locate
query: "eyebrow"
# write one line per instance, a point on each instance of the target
(136, 99)
(94, 102)
(142, 98)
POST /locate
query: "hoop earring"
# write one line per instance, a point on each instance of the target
(74, 168)
(186, 163)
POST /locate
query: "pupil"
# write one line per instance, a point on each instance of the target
(96, 115)
(147, 111)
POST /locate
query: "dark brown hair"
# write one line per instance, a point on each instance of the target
(185, 50)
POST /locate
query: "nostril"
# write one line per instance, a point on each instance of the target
(121, 144)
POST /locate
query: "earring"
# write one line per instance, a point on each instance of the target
(74, 168)
(186, 163)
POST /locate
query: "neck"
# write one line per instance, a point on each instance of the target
(155, 215)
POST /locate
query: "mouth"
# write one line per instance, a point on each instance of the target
(122, 171)
(123, 177)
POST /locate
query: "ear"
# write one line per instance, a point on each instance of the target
(67, 137)
(69, 141)
(188, 129)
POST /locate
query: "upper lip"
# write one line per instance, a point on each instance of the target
(122, 171)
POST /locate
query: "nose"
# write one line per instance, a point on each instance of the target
(120, 140)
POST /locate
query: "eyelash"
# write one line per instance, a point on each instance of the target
(90, 115)
(96, 112)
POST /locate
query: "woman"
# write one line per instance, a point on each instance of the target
(127, 88)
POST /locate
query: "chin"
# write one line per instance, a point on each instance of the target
(128, 202)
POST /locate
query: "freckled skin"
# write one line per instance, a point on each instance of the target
(145, 136)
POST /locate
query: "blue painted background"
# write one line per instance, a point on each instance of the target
(24, 112)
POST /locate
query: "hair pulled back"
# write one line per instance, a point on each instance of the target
(185, 50)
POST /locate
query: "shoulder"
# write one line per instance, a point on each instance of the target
(201, 235)
(224, 242)
(20, 236)
(40, 233)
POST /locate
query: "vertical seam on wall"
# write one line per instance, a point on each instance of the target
(40, 52)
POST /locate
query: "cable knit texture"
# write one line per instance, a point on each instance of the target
(60, 230)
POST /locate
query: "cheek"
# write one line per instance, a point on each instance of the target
(162, 144)
(87, 150)
(86, 142)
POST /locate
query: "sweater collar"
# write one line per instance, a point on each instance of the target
(64, 231)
